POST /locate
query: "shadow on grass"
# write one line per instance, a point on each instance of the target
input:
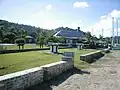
(55, 81)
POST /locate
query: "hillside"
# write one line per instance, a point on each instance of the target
(12, 31)
(7, 27)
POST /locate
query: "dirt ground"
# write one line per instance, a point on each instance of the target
(104, 74)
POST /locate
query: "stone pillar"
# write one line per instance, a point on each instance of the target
(68, 56)
(71, 41)
(79, 46)
(33, 46)
(54, 48)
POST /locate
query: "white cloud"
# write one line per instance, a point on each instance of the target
(115, 13)
(80, 5)
(105, 23)
(44, 19)
(49, 21)
(49, 7)
(103, 17)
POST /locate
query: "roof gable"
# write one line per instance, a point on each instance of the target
(70, 33)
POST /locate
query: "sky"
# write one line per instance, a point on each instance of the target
(89, 15)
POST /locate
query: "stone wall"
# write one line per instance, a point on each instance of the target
(91, 57)
(107, 50)
(22, 79)
(30, 77)
(55, 69)
(27, 50)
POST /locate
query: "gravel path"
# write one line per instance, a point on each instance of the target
(104, 75)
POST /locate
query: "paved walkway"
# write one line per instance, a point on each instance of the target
(103, 75)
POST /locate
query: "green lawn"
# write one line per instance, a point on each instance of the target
(26, 46)
(77, 62)
(19, 61)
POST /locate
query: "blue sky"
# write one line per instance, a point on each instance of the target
(51, 14)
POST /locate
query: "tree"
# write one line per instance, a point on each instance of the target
(11, 36)
(108, 40)
(43, 33)
(91, 40)
(20, 42)
(52, 39)
(100, 37)
(62, 39)
(41, 41)
(1, 33)
(88, 36)
(6, 40)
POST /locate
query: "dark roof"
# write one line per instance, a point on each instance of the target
(70, 33)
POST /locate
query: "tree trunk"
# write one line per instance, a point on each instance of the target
(19, 47)
(22, 46)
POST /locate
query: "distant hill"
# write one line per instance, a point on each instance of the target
(30, 30)
(26, 30)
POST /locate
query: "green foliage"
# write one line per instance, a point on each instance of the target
(20, 31)
(11, 36)
(1, 34)
(52, 39)
(26, 60)
(20, 42)
(91, 40)
(100, 37)
(62, 39)
(88, 37)
(108, 40)
(41, 41)
(6, 40)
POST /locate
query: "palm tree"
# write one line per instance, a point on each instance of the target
(91, 40)
(88, 37)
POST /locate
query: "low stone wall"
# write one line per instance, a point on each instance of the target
(26, 50)
(27, 78)
(55, 69)
(107, 50)
(91, 57)
(22, 79)
(22, 50)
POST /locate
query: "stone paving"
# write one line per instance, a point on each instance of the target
(103, 75)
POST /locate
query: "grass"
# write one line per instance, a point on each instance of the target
(26, 46)
(77, 62)
(19, 61)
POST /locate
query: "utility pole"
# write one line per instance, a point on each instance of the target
(112, 43)
(92, 31)
(102, 32)
(117, 32)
